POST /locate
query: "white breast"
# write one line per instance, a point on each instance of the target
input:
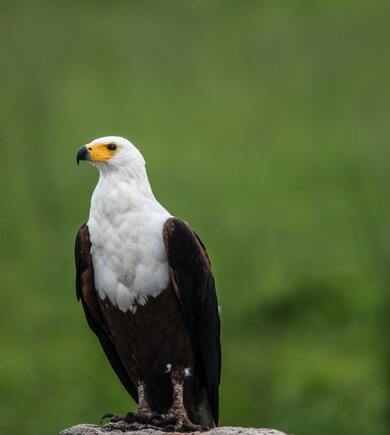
(128, 252)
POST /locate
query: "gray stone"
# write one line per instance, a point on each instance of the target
(122, 428)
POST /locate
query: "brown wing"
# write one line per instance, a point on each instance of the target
(86, 292)
(193, 281)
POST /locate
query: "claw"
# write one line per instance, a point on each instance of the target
(103, 417)
(154, 416)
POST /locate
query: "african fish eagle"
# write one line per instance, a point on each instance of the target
(145, 282)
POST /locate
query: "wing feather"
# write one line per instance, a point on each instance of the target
(193, 280)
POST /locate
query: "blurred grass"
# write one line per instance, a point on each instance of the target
(265, 125)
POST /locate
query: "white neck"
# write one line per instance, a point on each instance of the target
(125, 189)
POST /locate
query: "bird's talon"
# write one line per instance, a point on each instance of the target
(130, 417)
(103, 417)
(169, 428)
(155, 418)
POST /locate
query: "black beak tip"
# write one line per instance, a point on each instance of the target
(83, 154)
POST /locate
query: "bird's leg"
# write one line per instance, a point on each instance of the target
(176, 418)
(144, 413)
(143, 404)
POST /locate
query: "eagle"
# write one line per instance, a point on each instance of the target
(145, 282)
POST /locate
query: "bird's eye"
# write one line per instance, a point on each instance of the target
(111, 147)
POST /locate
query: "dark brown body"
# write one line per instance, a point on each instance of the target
(147, 347)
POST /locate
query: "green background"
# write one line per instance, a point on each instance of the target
(265, 124)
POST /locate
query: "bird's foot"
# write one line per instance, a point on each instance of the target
(140, 416)
(173, 421)
(105, 416)
(177, 422)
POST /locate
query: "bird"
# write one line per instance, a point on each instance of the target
(147, 289)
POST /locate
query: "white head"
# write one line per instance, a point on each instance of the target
(112, 153)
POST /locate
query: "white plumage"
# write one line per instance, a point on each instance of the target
(126, 224)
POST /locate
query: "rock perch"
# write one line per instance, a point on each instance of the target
(122, 428)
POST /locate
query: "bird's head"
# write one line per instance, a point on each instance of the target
(111, 152)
